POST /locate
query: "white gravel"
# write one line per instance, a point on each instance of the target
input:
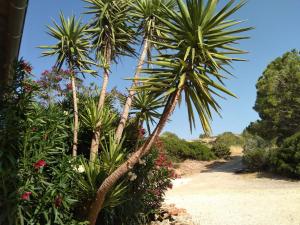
(220, 197)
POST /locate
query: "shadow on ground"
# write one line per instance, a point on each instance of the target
(234, 165)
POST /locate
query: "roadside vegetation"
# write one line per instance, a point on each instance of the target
(272, 143)
(179, 149)
(71, 154)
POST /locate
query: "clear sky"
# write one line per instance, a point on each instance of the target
(276, 31)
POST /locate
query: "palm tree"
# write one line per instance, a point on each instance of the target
(201, 40)
(112, 37)
(145, 106)
(145, 15)
(72, 48)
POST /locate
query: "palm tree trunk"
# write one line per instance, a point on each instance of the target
(108, 183)
(75, 105)
(96, 135)
(130, 97)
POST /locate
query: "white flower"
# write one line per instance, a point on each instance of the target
(132, 176)
(66, 113)
(142, 162)
(79, 169)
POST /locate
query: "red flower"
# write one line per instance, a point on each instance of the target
(40, 164)
(58, 78)
(170, 185)
(26, 66)
(68, 72)
(58, 201)
(26, 195)
(69, 86)
(142, 132)
(27, 88)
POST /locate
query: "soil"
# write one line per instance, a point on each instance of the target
(216, 193)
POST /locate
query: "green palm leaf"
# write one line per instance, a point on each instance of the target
(72, 46)
(109, 29)
(202, 41)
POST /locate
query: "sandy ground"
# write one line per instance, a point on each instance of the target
(214, 195)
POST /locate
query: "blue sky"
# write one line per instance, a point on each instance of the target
(276, 31)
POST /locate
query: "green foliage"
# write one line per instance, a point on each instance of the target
(178, 149)
(145, 107)
(14, 101)
(45, 169)
(146, 185)
(257, 152)
(279, 110)
(201, 39)
(286, 160)
(110, 32)
(72, 45)
(91, 117)
(230, 139)
(256, 159)
(145, 14)
(221, 150)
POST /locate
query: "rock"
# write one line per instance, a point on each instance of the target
(171, 215)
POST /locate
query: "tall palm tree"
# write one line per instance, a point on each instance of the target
(112, 37)
(145, 15)
(201, 40)
(72, 47)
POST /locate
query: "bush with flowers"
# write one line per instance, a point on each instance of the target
(48, 186)
(47, 179)
(146, 186)
(40, 187)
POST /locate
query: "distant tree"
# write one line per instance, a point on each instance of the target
(278, 98)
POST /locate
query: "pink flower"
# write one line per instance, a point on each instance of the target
(40, 164)
(45, 72)
(26, 195)
(58, 78)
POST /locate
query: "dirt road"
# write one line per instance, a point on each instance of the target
(218, 196)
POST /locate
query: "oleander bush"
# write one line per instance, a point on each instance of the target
(47, 177)
(146, 185)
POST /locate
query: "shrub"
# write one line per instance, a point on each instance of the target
(179, 149)
(199, 151)
(221, 150)
(256, 160)
(286, 160)
(14, 101)
(146, 185)
(230, 139)
(257, 152)
(47, 179)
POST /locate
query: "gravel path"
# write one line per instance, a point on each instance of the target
(218, 196)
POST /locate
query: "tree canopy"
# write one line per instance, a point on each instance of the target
(278, 98)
